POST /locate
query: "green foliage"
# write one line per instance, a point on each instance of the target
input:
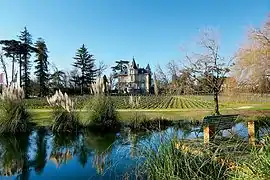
(14, 117)
(57, 79)
(170, 162)
(11, 50)
(140, 122)
(102, 113)
(14, 157)
(42, 67)
(64, 115)
(26, 39)
(41, 152)
(257, 166)
(145, 102)
(13, 113)
(64, 121)
(86, 64)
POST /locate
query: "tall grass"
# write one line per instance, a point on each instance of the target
(140, 122)
(101, 113)
(64, 114)
(170, 161)
(257, 165)
(13, 114)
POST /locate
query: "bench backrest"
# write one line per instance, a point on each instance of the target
(221, 122)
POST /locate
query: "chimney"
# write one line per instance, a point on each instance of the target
(137, 65)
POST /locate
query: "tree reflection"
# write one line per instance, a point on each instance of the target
(101, 145)
(14, 160)
(63, 147)
(40, 159)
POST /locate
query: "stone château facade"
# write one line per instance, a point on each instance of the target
(134, 79)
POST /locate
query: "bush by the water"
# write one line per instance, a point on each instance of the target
(64, 113)
(141, 122)
(14, 116)
(101, 112)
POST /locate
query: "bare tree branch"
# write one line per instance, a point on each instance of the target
(209, 67)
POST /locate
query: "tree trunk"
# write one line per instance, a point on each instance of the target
(20, 62)
(12, 73)
(4, 68)
(216, 103)
(81, 89)
(26, 82)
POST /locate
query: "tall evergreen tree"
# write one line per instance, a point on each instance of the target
(42, 66)
(86, 64)
(26, 40)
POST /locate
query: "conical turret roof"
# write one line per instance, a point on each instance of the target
(133, 63)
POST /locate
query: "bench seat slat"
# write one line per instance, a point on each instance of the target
(221, 122)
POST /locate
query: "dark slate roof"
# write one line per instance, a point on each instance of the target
(133, 64)
(142, 71)
(148, 67)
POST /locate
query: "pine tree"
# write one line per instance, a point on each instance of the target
(42, 66)
(26, 40)
(86, 64)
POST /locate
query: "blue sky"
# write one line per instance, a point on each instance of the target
(151, 30)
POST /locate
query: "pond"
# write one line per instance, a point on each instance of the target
(88, 155)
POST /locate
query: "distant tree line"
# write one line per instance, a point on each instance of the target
(47, 77)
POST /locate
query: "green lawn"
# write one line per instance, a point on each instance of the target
(168, 107)
(43, 116)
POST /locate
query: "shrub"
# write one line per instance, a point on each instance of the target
(101, 113)
(14, 116)
(140, 122)
(64, 113)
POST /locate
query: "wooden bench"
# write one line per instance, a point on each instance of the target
(213, 124)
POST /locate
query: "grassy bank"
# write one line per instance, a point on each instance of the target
(43, 116)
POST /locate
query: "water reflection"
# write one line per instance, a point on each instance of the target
(101, 145)
(41, 152)
(88, 154)
(63, 148)
(14, 157)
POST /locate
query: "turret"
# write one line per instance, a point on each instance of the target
(133, 70)
(148, 78)
(148, 69)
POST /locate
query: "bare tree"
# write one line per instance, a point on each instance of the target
(155, 85)
(161, 75)
(101, 68)
(210, 65)
(173, 68)
(162, 79)
(3, 63)
(111, 81)
(253, 60)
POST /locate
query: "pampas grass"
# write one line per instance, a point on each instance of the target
(14, 116)
(64, 114)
